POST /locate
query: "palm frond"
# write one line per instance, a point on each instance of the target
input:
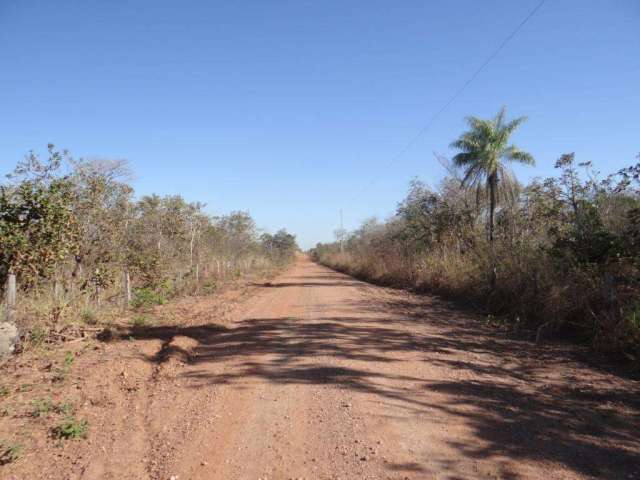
(514, 124)
(513, 153)
(473, 176)
(499, 118)
(509, 187)
(463, 159)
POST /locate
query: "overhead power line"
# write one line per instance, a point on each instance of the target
(452, 99)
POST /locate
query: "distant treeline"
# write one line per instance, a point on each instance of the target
(557, 257)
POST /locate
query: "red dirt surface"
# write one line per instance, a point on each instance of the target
(315, 375)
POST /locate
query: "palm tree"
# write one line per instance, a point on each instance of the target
(483, 150)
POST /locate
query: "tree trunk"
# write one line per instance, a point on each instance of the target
(493, 186)
(57, 288)
(191, 242)
(10, 290)
(76, 276)
(492, 205)
(97, 295)
(126, 286)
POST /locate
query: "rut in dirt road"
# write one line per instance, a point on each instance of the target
(320, 376)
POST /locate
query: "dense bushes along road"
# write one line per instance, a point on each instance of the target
(77, 241)
(559, 256)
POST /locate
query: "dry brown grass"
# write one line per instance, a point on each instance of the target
(532, 295)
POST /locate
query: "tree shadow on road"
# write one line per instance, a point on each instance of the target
(522, 402)
(304, 284)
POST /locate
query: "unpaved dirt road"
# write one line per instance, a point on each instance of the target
(318, 376)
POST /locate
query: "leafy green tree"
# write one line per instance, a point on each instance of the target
(38, 228)
(103, 209)
(281, 246)
(239, 234)
(484, 149)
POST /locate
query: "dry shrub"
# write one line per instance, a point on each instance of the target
(565, 261)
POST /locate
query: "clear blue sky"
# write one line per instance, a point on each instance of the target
(285, 108)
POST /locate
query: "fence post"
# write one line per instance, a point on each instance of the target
(57, 289)
(97, 287)
(178, 281)
(11, 298)
(127, 288)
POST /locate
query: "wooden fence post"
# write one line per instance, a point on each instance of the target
(11, 298)
(57, 289)
(97, 286)
(178, 281)
(127, 288)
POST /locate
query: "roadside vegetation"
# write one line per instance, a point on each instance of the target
(83, 249)
(83, 257)
(558, 257)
